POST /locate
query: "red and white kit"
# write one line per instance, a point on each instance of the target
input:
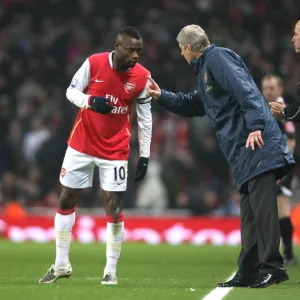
(103, 140)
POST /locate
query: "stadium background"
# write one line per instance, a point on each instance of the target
(188, 195)
(43, 43)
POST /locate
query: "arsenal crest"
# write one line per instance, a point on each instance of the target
(63, 172)
(205, 77)
(129, 87)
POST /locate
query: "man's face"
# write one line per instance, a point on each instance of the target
(271, 89)
(296, 38)
(186, 52)
(128, 50)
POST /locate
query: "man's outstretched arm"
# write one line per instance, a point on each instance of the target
(188, 105)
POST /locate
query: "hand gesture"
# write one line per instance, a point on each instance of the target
(141, 168)
(277, 110)
(100, 105)
(254, 138)
(153, 89)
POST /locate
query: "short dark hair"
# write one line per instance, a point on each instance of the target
(130, 32)
(271, 76)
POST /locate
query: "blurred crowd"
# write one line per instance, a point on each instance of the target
(44, 42)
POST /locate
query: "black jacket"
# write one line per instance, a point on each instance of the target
(292, 112)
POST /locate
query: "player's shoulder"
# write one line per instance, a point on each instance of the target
(102, 56)
(141, 70)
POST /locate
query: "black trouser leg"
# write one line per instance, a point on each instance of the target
(286, 230)
(263, 201)
(248, 260)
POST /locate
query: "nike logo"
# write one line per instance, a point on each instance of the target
(267, 278)
(96, 80)
(119, 183)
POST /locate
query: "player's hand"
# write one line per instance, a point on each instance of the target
(141, 168)
(153, 89)
(277, 109)
(255, 138)
(100, 105)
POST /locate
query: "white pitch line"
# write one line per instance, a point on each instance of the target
(219, 293)
(100, 278)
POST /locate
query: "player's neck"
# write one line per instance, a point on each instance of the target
(117, 65)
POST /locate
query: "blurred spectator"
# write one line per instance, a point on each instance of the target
(14, 210)
(34, 139)
(10, 189)
(152, 193)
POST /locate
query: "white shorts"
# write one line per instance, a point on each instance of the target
(78, 170)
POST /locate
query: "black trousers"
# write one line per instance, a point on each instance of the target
(259, 227)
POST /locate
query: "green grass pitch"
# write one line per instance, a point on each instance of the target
(145, 272)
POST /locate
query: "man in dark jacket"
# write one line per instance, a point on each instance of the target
(272, 89)
(291, 111)
(251, 141)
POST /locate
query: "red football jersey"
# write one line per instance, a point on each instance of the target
(108, 136)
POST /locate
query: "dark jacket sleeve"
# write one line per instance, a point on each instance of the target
(189, 105)
(292, 111)
(233, 77)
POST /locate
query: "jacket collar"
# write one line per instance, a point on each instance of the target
(197, 63)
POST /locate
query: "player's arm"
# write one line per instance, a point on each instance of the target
(286, 111)
(78, 84)
(75, 92)
(292, 111)
(144, 120)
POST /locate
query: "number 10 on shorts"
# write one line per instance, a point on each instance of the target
(119, 173)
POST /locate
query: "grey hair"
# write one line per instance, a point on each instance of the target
(195, 36)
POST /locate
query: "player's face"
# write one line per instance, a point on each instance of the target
(296, 38)
(271, 90)
(129, 51)
(186, 52)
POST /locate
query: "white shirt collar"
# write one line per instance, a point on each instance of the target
(110, 59)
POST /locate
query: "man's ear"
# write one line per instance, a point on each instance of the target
(189, 47)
